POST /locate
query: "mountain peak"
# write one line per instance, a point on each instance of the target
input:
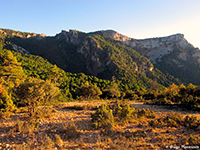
(20, 34)
(115, 35)
(155, 48)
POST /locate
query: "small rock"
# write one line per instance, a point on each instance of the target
(7, 145)
(59, 145)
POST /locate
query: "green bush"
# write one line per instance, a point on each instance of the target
(173, 119)
(88, 91)
(122, 110)
(177, 117)
(5, 114)
(190, 102)
(194, 140)
(154, 123)
(145, 113)
(26, 127)
(118, 112)
(44, 112)
(102, 117)
(58, 141)
(191, 122)
(70, 131)
(171, 123)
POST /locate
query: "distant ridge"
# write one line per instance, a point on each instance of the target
(107, 53)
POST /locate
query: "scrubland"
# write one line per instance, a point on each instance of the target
(91, 125)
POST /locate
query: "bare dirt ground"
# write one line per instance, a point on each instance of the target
(89, 138)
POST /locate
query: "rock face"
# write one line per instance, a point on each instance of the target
(156, 48)
(71, 36)
(19, 49)
(26, 35)
(95, 59)
(115, 35)
(152, 48)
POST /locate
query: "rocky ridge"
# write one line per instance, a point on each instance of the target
(26, 35)
(89, 48)
(153, 48)
(72, 36)
(96, 60)
(101, 53)
(19, 49)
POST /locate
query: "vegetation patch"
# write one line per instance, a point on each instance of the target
(118, 112)
(176, 120)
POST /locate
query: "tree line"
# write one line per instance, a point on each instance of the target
(28, 80)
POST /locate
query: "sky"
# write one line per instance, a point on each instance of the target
(137, 19)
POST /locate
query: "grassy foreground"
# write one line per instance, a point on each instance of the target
(69, 126)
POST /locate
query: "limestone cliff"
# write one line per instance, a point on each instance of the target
(152, 48)
(19, 49)
(115, 35)
(21, 34)
(171, 54)
(96, 61)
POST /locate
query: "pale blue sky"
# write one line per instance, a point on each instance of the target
(135, 18)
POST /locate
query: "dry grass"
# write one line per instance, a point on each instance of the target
(69, 127)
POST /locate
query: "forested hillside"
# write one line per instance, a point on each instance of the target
(94, 54)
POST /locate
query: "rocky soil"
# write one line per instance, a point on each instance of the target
(85, 137)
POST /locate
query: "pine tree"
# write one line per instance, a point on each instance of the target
(10, 69)
(114, 90)
(54, 74)
(36, 91)
(89, 91)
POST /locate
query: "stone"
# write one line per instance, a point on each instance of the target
(152, 48)
(19, 49)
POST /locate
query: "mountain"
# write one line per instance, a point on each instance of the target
(172, 54)
(140, 63)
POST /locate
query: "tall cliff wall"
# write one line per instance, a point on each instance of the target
(152, 48)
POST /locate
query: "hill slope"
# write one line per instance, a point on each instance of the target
(172, 54)
(106, 54)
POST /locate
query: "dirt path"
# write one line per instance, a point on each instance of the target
(162, 109)
(139, 105)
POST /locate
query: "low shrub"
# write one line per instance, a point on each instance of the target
(118, 112)
(191, 122)
(145, 113)
(194, 140)
(82, 107)
(58, 141)
(173, 119)
(154, 123)
(44, 112)
(176, 117)
(26, 127)
(37, 141)
(102, 117)
(70, 131)
(171, 122)
(122, 111)
(5, 114)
